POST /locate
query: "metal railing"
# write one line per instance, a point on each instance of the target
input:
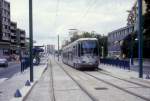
(125, 64)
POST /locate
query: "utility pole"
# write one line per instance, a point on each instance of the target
(31, 40)
(58, 47)
(131, 50)
(102, 51)
(140, 38)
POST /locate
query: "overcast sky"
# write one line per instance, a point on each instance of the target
(53, 17)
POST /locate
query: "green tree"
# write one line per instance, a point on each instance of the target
(74, 37)
(103, 43)
(146, 28)
(86, 35)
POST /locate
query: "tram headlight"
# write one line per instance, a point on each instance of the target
(79, 61)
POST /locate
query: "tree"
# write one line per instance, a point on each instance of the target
(74, 37)
(147, 20)
(102, 40)
(86, 35)
(146, 32)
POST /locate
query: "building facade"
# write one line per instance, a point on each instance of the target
(21, 39)
(50, 49)
(13, 40)
(115, 41)
(4, 28)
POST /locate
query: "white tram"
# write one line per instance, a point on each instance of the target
(83, 53)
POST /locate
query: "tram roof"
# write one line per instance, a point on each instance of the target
(86, 39)
(81, 39)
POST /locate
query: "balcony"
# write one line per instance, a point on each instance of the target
(22, 41)
(6, 38)
(12, 27)
(13, 41)
(22, 35)
(13, 34)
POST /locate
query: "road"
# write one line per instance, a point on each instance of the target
(9, 71)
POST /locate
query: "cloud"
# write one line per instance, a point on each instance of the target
(103, 16)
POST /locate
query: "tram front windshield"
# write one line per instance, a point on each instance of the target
(89, 47)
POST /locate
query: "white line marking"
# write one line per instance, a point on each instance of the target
(2, 80)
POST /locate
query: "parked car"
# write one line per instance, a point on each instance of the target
(3, 62)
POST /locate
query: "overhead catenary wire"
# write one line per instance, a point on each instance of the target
(85, 14)
(56, 14)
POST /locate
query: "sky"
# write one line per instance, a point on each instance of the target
(53, 17)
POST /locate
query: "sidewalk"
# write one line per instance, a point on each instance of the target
(121, 72)
(63, 87)
(146, 66)
(41, 91)
(8, 87)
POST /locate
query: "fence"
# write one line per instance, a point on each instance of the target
(116, 62)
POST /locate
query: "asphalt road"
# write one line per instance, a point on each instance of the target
(9, 71)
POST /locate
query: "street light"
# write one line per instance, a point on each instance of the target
(31, 39)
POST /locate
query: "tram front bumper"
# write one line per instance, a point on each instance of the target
(87, 65)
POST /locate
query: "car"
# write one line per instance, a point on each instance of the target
(3, 62)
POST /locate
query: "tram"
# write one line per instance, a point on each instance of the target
(82, 53)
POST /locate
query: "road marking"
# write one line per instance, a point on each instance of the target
(2, 80)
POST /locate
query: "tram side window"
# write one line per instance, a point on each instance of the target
(76, 50)
(79, 50)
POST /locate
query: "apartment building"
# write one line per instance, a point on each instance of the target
(21, 35)
(4, 28)
(13, 38)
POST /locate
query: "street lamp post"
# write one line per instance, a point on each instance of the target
(102, 48)
(140, 38)
(131, 50)
(58, 47)
(31, 39)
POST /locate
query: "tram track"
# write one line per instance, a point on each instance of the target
(128, 91)
(118, 87)
(123, 79)
(81, 87)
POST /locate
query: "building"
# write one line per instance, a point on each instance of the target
(4, 28)
(115, 40)
(21, 39)
(50, 49)
(13, 36)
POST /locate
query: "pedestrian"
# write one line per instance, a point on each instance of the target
(22, 64)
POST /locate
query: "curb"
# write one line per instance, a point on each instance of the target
(141, 80)
(24, 98)
(27, 89)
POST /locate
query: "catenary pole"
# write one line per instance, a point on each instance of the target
(58, 47)
(140, 38)
(31, 39)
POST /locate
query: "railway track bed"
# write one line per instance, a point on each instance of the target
(104, 87)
